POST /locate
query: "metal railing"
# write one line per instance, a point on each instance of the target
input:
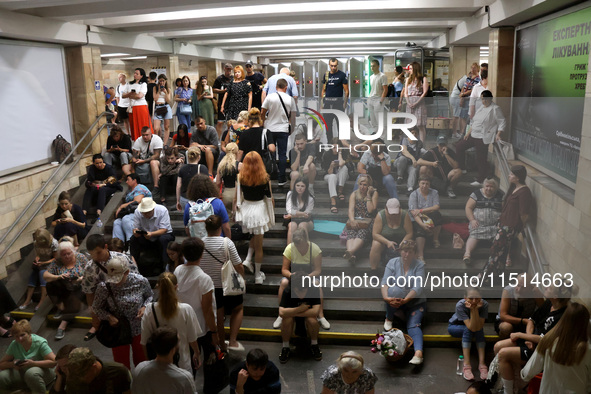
(532, 249)
(46, 184)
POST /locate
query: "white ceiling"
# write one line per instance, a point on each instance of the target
(277, 31)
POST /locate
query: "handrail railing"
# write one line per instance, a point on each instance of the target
(532, 249)
(48, 196)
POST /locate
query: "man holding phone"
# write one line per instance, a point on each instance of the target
(441, 166)
(151, 230)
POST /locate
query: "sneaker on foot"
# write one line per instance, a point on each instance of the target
(467, 260)
(260, 278)
(248, 265)
(476, 184)
(416, 360)
(316, 353)
(277, 322)
(281, 184)
(468, 375)
(57, 315)
(483, 372)
(450, 193)
(324, 323)
(284, 355)
(387, 325)
(311, 190)
(60, 334)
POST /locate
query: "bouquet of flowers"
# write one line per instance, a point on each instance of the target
(390, 344)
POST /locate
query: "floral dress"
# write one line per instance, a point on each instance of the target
(237, 100)
(360, 212)
(487, 212)
(420, 111)
(333, 380)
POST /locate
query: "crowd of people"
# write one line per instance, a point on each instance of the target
(222, 185)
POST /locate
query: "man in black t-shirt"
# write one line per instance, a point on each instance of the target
(220, 87)
(256, 375)
(440, 165)
(257, 80)
(119, 149)
(334, 85)
(150, 93)
(299, 300)
(301, 159)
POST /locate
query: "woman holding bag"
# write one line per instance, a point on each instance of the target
(123, 295)
(254, 207)
(183, 96)
(218, 250)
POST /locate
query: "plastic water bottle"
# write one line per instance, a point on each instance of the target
(460, 366)
(99, 225)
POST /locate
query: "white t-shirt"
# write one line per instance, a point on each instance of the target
(475, 98)
(152, 377)
(377, 83)
(185, 321)
(139, 88)
(277, 121)
(140, 145)
(119, 92)
(193, 283)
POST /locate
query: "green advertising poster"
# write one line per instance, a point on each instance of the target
(549, 89)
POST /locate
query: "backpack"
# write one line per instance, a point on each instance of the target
(198, 212)
(61, 148)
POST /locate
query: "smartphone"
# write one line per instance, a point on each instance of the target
(19, 362)
(161, 87)
(133, 90)
(142, 232)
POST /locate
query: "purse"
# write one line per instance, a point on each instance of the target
(363, 223)
(507, 149)
(150, 346)
(457, 242)
(232, 282)
(128, 210)
(114, 336)
(238, 214)
(268, 158)
(161, 110)
(186, 109)
(270, 210)
(427, 220)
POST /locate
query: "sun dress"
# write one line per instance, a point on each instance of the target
(420, 111)
(237, 100)
(360, 212)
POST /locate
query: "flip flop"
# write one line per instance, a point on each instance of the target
(89, 335)
(334, 209)
(342, 197)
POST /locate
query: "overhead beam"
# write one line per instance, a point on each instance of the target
(26, 27)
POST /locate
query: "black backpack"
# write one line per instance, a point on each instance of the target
(61, 148)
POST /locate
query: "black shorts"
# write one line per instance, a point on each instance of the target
(122, 113)
(227, 302)
(418, 230)
(524, 351)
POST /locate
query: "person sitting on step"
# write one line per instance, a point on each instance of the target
(299, 205)
(391, 226)
(170, 164)
(301, 159)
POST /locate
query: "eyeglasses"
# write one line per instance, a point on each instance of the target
(248, 65)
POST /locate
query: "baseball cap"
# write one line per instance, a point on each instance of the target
(442, 140)
(116, 269)
(393, 206)
(248, 63)
(79, 362)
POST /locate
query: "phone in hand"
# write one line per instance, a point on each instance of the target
(18, 363)
(133, 90)
(141, 232)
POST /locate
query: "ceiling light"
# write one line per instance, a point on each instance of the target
(312, 44)
(134, 58)
(114, 54)
(303, 49)
(306, 37)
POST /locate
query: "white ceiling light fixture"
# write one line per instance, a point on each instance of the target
(312, 44)
(134, 58)
(114, 54)
(306, 37)
(306, 50)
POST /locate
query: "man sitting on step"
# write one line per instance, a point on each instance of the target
(301, 159)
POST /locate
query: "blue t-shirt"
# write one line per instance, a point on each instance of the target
(463, 313)
(334, 87)
(218, 209)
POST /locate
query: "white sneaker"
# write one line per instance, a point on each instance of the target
(416, 360)
(324, 323)
(260, 278)
(451, 193)
(248, 265)
(277, 322)
(311, 189)
(387, 325)
(476, 184)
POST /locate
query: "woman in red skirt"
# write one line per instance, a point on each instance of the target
(139, 116)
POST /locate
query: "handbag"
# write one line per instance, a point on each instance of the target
(507, 149)
(238, 213)
(128, 210)
(114, 336)
(457, 242)
(363, 223)
(270, 210)
(237, 234)
(232, 282)
(268, 158)
(427, 220)
(150, 346)
(186, 109)
(161, 110)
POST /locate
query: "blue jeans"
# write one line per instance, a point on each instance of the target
(123, 228)
(33, 278)
(461, 331)
(184, 119)
(414, 317)
(280, 141)
(388, 182)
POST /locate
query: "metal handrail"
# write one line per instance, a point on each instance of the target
(22, 214)
(531, 247)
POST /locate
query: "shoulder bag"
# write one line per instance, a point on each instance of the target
(232, 282)
(238, 213)
(150, 346)
(114, 336)
(268, 158)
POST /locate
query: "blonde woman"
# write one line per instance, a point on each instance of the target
(227, 175)
(415, 91)
(170, 312)
(348, 375)
(186, 173)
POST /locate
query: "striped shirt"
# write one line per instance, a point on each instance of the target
(213, 267)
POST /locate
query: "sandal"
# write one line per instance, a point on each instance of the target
(436, 244)
(89, 335)
(334, 209)
(341, 197)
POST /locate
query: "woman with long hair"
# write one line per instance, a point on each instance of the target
(183, 96)
(170, 312)
(253, 186)
(362, 205)
(227, 175)
(203, 188)
(252, 138)
(205, 97)
(182, 139)
(218, 250)
(175, 256)
(139, 116)
(564, 354)
(163, 111)
(415, 91)
(299, 205)
(235, 129)
(239, 95)
(46, 247)
(186, 173)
